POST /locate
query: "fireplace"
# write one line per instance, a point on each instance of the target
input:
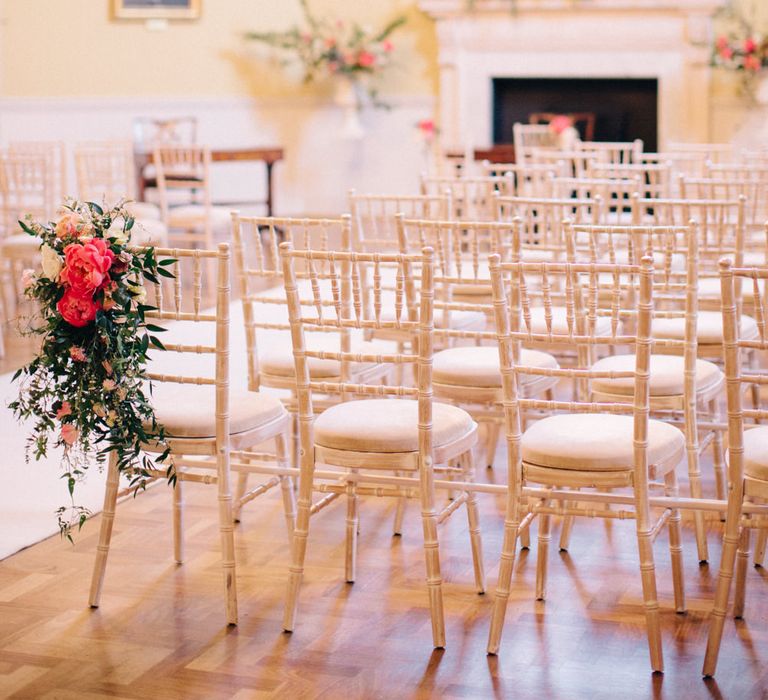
(624, 109)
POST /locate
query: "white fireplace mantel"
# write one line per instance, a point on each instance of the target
(664, 39)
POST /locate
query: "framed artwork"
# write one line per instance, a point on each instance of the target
(156, 9)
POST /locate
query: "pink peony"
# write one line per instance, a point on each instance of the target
(71, 225)
(69, 433)
(77, 353)
(64, 410)
(86, 265)
(366, 59)
(749, 45)
(77, 310)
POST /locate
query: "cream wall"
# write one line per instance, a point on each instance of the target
(74, 48)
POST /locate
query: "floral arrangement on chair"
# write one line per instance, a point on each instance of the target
(86, 388)
(331, 48)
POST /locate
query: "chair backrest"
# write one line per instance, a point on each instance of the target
(105, 170)
(562, 285)
(569, 163)
(737, 378)
(25, 189)
(721, 224)
(373, 217)
(183, 168)
(151, 132)
(731, 185)
(471, 197)
(615, 152)
(530, 179)
(183, 303)
(616, 194)
(255, 242)
(334, 304)
(526, 137)
(679, 162)
(542, 221)
(655, 179)
(716, 152)
(55, 154)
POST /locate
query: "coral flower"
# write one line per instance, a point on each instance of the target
(86, 265)
(64, 410)
(69, 433)
(77, 353)
(366, 59)
(76, 309)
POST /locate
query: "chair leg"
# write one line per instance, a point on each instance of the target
(545, 526)
(491, 442)
(240, 489)
(397, 528)
(762, 536)
(717, 455)
(227, 537)
(178, 519)
(352, 522)
(105, 531)
(506, 567)
(650, 596)
(473, 519)
(694, 486)
(742, 561)
(432, 554)
(299, 548)
(675, 545)
(286, 484)
(567, 528)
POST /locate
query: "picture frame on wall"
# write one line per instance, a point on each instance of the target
(156, 9)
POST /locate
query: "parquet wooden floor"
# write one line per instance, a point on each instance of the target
(160, 635)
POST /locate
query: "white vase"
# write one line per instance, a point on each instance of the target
(350, 94)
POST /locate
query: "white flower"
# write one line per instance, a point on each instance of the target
(116, 232)
(52, 263)
(138, 292)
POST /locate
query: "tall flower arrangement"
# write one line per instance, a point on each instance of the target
(86, 388)
(327, 47)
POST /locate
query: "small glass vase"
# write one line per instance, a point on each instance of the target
(351, 95)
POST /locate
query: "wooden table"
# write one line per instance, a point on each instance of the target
(269, 155)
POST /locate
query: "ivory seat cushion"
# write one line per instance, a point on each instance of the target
(458, 320)
(666, 375)
(279, 362)
(478, 366)
(387, 425)
(189, 411)
(560, 322)
(534, 254)
(709, 327)
(194, 214)
(596, 442)
(21, 243)
(756, 452)
(709, 288)
(143, 210)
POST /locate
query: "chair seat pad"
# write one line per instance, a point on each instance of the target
(22, 242)
(189, 411)
(194, 215)
(143, 210)
(756, 452)
(666, 375)
(596, 442)
(533, 254)
(387, 425)
(149, 232)
(475, 366)
(709, 288)
(709, 327)
(279, 362)
(560, 322)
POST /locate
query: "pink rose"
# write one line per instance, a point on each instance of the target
(69, 433)
(72, 226)
(77, 354)
(77, 310)
(749, 45)
(86, 265)
(27, 278)
(64, 410)
(366, 59)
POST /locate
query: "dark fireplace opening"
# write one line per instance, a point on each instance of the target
(624, 109)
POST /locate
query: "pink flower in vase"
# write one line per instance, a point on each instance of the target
(560, 123)
(69, 433)
(427, 129)
(366, 59)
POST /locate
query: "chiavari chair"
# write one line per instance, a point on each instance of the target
(715, 152)
(615, 194)
(655, 178)
(528, 137)
(679, 383)
(375, 429)
(106, 171)
(614, 152)
(570, 163)
(203, 417)
(747, 448)
(186, 170)
(586, 443)
(472, 198)
(55, 155)
(530, 180)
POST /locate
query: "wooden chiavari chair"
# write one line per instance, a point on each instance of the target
(614, 152)
(747, 448)
(186, 169)
(472, 198)
(655, 179)
(530, 180)
(399, 428)
(615, 194)
(55, 155)
(715, 152)
(589, 444)
(528, 137)
(569, 163)
(203, 417)
(679, 383)
(106, 171)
